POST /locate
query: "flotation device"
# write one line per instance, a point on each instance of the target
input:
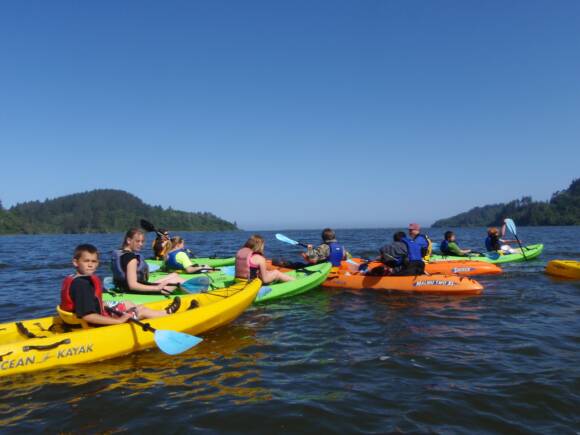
(66, 302)
(120, 276)
(444, 247)
(492, 243)
(336, 253)
(171, 262)
(244, 269)
(415, 247)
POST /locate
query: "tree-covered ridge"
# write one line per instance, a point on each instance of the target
(562, 209)
(101, 211)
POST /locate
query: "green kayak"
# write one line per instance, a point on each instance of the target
(306, 279)
(208, 261)
(531, 251)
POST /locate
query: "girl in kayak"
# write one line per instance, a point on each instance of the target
(330, 250)
(251, 263)
(81, 294)
(449, 246)
(178, 259)
(130, 271)
(161, 245)
(493, 242)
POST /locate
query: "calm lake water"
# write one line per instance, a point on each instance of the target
(328, 361)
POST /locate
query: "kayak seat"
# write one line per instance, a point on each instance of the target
(71, 319)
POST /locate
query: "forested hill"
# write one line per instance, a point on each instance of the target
(100, 211)
(562, 209)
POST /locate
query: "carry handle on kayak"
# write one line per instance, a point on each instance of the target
(46, 346)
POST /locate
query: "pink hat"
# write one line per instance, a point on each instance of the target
(415, 227)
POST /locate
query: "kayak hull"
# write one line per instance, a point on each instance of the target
(56, 345)
(438, 283)
(306, 279)
(211, 262)
(456, 267)
(564, 269)
(531, 252)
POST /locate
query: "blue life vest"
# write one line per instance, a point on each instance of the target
(444, 247)
(120, 275)
(171, 262)
(492, 243)
(415, 247)
(336, 254)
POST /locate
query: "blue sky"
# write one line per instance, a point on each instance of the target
(294, 114)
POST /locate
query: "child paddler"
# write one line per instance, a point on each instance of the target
(330, 250)
(177, 258)
(251, 263)
(130, 270)
(81, 294)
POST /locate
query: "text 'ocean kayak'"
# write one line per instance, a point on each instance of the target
(48, 342)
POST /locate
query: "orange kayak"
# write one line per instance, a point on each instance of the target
(437, 283)
(451, 267)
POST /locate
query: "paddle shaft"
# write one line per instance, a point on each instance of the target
(144, 326)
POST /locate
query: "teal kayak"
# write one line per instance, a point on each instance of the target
(307, 279)
(531, 252)
(208, 261)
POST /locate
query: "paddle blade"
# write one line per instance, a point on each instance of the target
(173, 342)
(197, 284)
(263, 292)
(284, 239)
(153, 267)
(511, 226)
(108, 283)
(228, 270)
(147, 226)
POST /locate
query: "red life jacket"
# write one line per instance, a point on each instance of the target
(66, 302)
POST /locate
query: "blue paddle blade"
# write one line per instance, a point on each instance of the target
(173, 342)
(284, 239)
(154, 267)
(197, 284)
(263, 292)
(108, 283)
(229, 270)
(511, 226)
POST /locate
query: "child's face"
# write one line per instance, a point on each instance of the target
(87, 263)
(452, 238)
(136, 242)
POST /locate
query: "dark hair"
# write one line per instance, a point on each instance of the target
(85, 247)
(130, 234)
(399, 235)
(448, 235)
(328, 234)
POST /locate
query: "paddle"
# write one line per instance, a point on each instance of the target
(170, 342)
(511, 226)
(149, 227)
(284, 239)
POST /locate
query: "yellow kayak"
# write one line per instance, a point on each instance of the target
(48, 342)
(564, 268)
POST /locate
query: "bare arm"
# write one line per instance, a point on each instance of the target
(134, 284)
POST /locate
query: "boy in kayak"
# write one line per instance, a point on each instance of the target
(81, 294)
(392, 255)
(330, 250)
(493, 242)
(449, 246)
(251, 263)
